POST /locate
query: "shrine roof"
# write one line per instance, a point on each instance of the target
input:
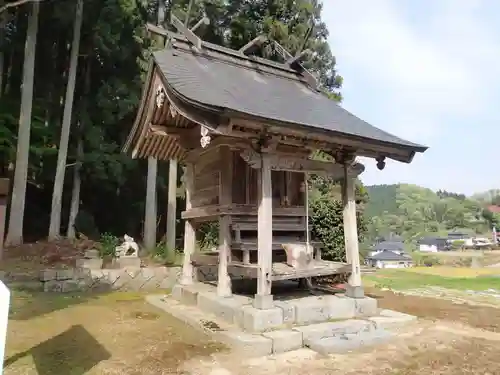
(228, 81)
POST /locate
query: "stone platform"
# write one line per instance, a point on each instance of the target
(326, 323)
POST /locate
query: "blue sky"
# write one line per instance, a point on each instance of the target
(427, 71)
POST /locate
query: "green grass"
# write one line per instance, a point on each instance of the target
(401, 280)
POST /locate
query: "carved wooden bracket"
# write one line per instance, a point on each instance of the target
(296, 164)
(161, 96)
(205, 137)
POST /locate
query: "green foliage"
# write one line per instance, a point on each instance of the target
(327, 226)
(458, 244)
(165, 254)
(414, 212)
(107, 245)
(424, 260)
(208, 235)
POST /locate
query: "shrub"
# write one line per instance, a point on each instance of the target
(208, 235)
(165, 254)
(107, 244)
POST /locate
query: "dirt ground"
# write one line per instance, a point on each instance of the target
(117, 333)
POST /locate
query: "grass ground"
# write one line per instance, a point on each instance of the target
(444, 277)
(117, 333)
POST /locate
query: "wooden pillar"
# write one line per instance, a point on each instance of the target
(189, 231)
(4, 192)
(172, 204)
(354, 288)
(225, 198)
(263, 298)
(150, 214)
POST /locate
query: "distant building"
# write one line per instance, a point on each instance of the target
(389, 259)
(397, 247)
(433, 244)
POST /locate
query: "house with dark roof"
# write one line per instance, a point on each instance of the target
(433, 244)
(389, 259)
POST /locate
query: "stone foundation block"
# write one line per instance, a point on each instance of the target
(366, 306)
(225, 308)
(330, 329)
(311, 310)
(348, 342)
(284, 340)
(93, 263)
(47, 275)
(288, 311)
(256, 320)
(354, 291)
(246, 343)
(340, 307)
(64, 274)
(391, 319)
(126, 262)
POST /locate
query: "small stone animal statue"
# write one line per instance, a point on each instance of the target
(298, 256)
(128, 249)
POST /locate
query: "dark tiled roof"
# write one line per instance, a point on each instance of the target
(389, 255)
(389, 245)
(244, 86)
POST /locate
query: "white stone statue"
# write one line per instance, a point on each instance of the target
(128, 249)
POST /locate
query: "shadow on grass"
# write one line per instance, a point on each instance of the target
(73, 352)
(26, 305)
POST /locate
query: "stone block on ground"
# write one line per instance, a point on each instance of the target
(341, 307)
(311, 310)
(92, 263)
(48, 275)
(126, 262)
(288, 311)
(391, 319)
(90, 254)
(366, 306)
(285, 340)
(348, 342)
(256, 320)
(225, 308)
(250, 345)
(330, 329)
(188, 294)
(65, 274)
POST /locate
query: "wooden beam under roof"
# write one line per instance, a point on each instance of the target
(190, 36)
(253, 43)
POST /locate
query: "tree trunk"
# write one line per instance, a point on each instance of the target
(55, 214)
(150, 212)
(75, 196)
(15, 231)
(3, 21)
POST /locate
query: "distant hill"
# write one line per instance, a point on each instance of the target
(413, 211)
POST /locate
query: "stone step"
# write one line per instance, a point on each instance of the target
(315, 332)
(346, 342)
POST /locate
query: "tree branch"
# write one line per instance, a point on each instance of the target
(16, 3)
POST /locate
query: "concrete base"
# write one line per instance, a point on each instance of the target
(91, 263)
(288, 325)
(263, 301)
(354, 291)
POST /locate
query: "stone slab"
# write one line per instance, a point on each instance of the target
(366, 306)
(225, 308)
(92, 263)
(348, 342)
(285, 340)
(340, 307)
(252, 345)
(257, 320)
(391, 319)
(330, 329)
(126, 262)
(288, 311)
(188, 294)
(246, 343)
(310, 310)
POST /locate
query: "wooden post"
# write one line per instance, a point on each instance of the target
(150, 212)
(189, 231)
(354, 288)
(172, 204)
(263, 298)
(225, 198)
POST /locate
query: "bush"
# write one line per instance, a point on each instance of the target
(108, 244)
(208, 235)
(165, 254)
(327, 226)
(424, 260)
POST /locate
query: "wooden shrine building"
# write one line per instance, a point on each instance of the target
(244, 128)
